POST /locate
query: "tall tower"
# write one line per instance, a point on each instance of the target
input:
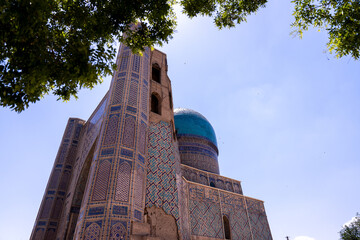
(134, 171)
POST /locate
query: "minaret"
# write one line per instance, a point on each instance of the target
(114, 195)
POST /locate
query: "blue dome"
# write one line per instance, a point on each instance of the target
(190, 122)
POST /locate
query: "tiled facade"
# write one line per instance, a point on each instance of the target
(131, 159)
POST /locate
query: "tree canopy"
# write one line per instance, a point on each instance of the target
(352, 230)
(60, 46)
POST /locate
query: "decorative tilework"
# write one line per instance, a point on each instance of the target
(69, 129)
(136, 63)
(258, 220)
(137, 214)
(144, 99)
(119, 91)
(131, 109)
(142, 137)
(102, 179)
(134, 75)
(115, 109)
(120, 210)
(118, 231)
(161, 189)
(111, 130)
(107, 151)
(62, 153)
(133, 93)
(129, 131)
(96, 211)
(205, 213)
(141, 158)
(92, 232)
(124, 61)
(234, 207)
(127, 153)
(123, 182)
(139, 186)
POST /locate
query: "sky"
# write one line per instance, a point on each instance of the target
(286, 114)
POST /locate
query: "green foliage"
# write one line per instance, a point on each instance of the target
(340, 18)
(351, 231)
(60, 46)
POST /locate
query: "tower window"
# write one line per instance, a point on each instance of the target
(156, 73)
(155, 104)
(212, 184)
(226, 227)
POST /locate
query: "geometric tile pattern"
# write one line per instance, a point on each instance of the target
(258, 220)
(129, 131)
(123, 182)
(142, 137)
(132, 100)
(139, 186)
(136, 63)
(111, 130)
(161, 189)
(102, 179)
(92, 232)
(124, 61)
(205, 213)
(235, 209)
(119, 89)
(118, 231)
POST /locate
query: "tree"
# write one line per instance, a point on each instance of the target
(340, 18)
(352, 230)
(60, 46)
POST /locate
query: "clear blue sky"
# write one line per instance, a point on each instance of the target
(286, 115)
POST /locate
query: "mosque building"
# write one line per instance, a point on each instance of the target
(138, 169)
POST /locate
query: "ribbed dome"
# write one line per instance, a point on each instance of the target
(190, 122)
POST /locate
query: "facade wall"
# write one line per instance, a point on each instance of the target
(114, 195)
(124, 164)
(84, 157)
(49, 215)
(206, 178)
(208, 205)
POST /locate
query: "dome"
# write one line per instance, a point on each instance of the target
(190, 122)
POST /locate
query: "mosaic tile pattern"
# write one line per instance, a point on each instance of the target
(133, 93)
(129, 131)
(142, 137)
(111, 130)
(205, 212)
(92, 232)
(118, 231)
(258, 220)
(102, 181)
(123, 182)
(124, 61)
(114, 183)
(139, 186)
(119, 91)
(234, 207)
(161, 189)
(136, 63)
